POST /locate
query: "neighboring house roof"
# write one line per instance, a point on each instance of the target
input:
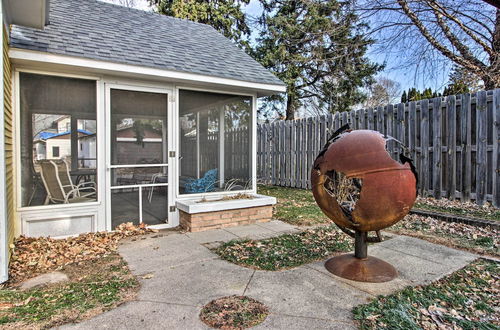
(102, 31)
(50, 135)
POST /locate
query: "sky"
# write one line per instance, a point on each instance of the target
(405, 77)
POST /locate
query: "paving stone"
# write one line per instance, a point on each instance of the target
(426, 250)
(371, 288)
(277, 226)
(145, 315)
(44, 279)
(209, 236)
(249, 231)
(274, 321)
(154, 254)
(195, 283)
(305, 292)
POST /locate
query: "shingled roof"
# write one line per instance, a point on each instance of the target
(102, 31)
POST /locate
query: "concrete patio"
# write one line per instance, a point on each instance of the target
(183, 275)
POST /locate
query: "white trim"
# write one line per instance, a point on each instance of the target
(193, 205)
(36, 56)
(253, 148)
(130, 86)
(138, 165)
(124, 139)
(139, 185)
(4, 244)
(17, 132)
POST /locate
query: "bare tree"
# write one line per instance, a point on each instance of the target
(127, 3)
(433, 34)
(383, 91)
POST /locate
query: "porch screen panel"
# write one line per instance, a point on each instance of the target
(215, 142)
(57, 114)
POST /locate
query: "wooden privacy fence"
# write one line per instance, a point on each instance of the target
(454, 142)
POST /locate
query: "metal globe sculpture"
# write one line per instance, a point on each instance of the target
(358, 185)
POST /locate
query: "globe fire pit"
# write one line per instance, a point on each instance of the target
(361, 188)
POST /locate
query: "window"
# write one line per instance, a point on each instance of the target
(215, 142)
(55, 152)
(53, 111)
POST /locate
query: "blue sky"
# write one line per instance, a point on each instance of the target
(406, 77)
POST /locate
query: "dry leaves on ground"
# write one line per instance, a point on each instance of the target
(34, 256)
(484, 240)
(461, 208)
(233, 312)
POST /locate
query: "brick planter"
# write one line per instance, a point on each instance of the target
(225, 218)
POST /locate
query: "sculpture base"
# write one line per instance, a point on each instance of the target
(368, 269)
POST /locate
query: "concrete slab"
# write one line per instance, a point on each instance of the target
(305, 292)
(278, 226)
(432, 262)
(183, 276)
(195, 283)
(374, 289)
(155, 254)
(426, 250)
(290, 322)
(249, 231)
(145, 315)
(209, 236)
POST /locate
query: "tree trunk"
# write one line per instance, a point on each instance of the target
(290, 107)
(492, 77)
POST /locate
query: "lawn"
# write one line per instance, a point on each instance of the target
(462, 209)
(98, 278)
(297, 207)
(286, 251)
(466, 299)
(94, 286)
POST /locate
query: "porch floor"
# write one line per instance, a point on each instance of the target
(183, 275)
(125, 207)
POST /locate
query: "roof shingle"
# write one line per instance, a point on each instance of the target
(102, 31)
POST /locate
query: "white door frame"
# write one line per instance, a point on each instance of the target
(171, 147)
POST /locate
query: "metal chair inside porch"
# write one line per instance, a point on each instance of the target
(60, 188)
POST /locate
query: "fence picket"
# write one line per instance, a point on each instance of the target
(481, 156)
(496, 148)
(454, 142)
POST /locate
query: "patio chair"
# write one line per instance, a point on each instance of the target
(204, 184)
(59, 186)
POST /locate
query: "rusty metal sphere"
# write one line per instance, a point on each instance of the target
(386, 187)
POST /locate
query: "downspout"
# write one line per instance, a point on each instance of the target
(4, 249)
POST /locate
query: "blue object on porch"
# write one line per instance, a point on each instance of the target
(204, 184)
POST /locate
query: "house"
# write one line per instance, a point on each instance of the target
(171, 103)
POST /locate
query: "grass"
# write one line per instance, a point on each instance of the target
(480, 240)
(286, 251)
(94, 287)
(474, 213)
(295, 206)
(233, 312)
(467, 299)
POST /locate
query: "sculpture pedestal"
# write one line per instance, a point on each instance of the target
(359, 267)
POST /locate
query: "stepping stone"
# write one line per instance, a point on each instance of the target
(44, 279)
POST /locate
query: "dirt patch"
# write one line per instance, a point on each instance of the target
(35, 256)
(227, 198)
(481, 240)
(234, 312)
(95, 286)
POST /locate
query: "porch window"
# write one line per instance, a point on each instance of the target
(215, 142)
(58, 140)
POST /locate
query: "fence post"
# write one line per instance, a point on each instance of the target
(496, 149)
(481, 145)
(437, 150)
(424, 146)
(451, 143)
